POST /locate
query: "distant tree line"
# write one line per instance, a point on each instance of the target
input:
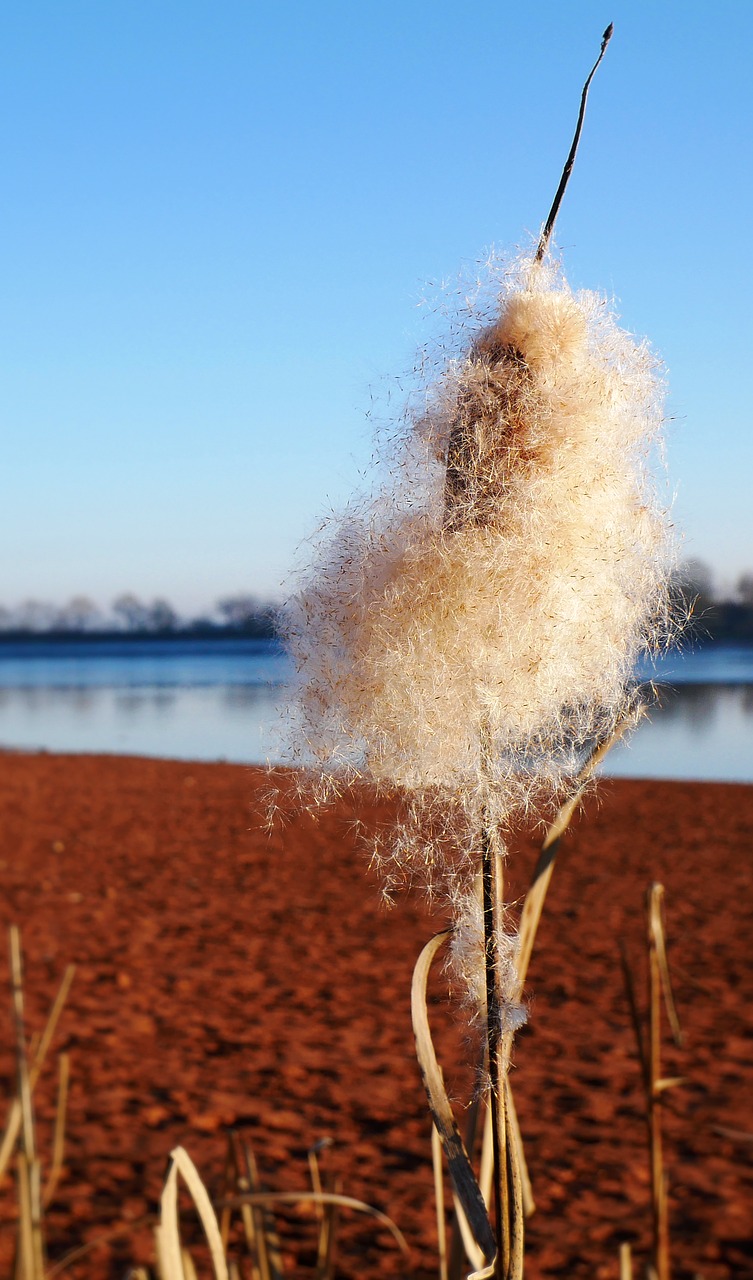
(725, 617)
(240, 615)
(715, 615)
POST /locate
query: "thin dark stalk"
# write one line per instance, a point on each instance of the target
(491, 876)
(549, 224)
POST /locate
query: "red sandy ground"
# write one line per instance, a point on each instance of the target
(227, 978)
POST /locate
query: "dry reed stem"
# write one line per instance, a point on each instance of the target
(22, 1065)
(493, 905)
(326, 1213)
(515, 1191)
(269, 1250)
(30, 1252)
(658, 1178)
(626, 1261)
(658, 931)
(241, 1175)
(529, 1204)
(24, 1269)
(649, 1052)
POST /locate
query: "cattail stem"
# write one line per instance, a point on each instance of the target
(491, 878)
(546, 234)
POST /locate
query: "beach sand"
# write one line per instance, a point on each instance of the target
(230, 978)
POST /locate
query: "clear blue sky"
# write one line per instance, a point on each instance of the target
(218, 221)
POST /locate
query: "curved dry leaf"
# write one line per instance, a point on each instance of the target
(461, 1170)
(168, 1231)
(318, 1198)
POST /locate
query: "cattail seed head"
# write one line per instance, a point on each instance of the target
(507, 575)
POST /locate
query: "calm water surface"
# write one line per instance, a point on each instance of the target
(212, 700)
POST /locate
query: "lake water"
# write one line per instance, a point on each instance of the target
(220, 700)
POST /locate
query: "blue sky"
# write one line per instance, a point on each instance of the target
(219, 221)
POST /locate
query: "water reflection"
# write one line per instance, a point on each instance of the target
(694, 731)
(205, 723)
(700, 730)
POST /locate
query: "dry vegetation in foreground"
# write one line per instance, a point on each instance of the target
(244, 1225)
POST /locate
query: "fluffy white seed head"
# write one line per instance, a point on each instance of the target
(467, 963)
(469, 629)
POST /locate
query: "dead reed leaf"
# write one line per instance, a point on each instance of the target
(168, 1229)
(537, 891)
(436, 1164)
(325, 1198)
(460, 1168)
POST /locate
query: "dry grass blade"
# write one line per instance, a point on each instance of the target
(325, 1198)
(658, 1180)
(635, 1014)
(660, 943)
(534, 902)
(22, 1064)
(460, 1168)
(168, 1231)
(316, 1177)
(30, 1251)
(436, 1164)
(13, 1123)
(25, 1244)
(529, 1204)
(189, 1270)
(626, 1261)
(58, 1140)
